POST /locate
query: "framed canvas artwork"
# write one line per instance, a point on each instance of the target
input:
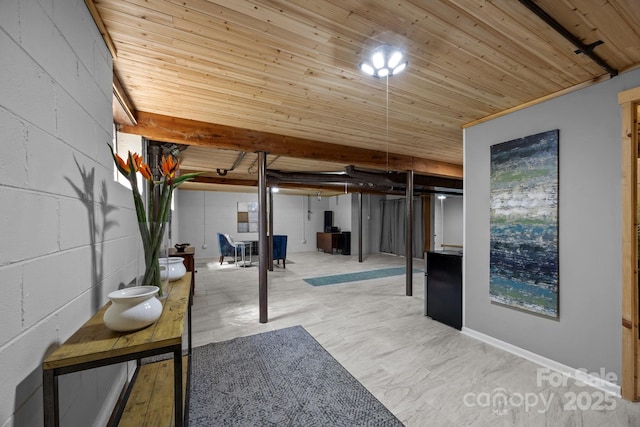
(247, 217)
(524, 224)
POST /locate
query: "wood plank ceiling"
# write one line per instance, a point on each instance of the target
(284, 74)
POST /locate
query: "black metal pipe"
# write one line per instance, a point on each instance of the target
(270, 231)
(263, 251)
(409, 234)
(582, 48)
(359, 227)
(223, 172)
(154, 151)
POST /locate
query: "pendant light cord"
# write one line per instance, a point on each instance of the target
(204, 219)
(387, 123)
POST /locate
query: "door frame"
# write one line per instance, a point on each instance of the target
(630, 385)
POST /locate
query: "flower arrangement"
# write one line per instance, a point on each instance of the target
(152, 225)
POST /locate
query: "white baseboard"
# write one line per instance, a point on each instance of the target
(577, 374)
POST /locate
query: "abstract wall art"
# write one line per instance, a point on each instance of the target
(524, 224)
(247, 217)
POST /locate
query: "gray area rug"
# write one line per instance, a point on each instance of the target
(358, 275)
(278, 378)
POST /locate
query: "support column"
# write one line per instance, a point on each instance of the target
(270, 241)
(409, 234)
(359, 227)
(263, 249)
(154, 154)
(428, 233)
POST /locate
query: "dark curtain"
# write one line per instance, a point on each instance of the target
(393, 239)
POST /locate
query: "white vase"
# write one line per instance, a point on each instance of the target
(172, 267)
(132, 308)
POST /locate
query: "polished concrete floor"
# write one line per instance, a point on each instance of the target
(426, 373)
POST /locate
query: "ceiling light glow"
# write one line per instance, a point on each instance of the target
(395, 59)
(385, 61)
(378, 59)
(367, 69)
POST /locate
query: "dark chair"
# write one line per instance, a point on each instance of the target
(280, 249)
(226, 247)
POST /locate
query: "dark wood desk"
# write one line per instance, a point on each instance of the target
(329, 241)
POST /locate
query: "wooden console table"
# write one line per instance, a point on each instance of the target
(145, 401)
(329, 241)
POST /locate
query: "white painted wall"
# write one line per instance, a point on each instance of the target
(448, 221)
(68, 230)
(202, 214)
(371, 223)
(341, 207)
(588, 333)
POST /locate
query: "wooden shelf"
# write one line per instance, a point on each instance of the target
(151, 401)
(95, 345)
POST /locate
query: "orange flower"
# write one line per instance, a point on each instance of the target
(145, 171)
(133, 162)
(121, 164)
(169, 167)
(137, 161)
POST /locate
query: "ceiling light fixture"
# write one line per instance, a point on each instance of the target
(385, 61)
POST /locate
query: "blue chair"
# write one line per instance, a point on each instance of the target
(226, 246)
(280, 249)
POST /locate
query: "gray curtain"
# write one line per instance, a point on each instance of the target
(393, 239)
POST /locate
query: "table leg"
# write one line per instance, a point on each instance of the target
(235, 249)
(50, 397)
(177, 383)
(189, 324)
(244, 255)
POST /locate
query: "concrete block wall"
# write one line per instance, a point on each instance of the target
(68, 231)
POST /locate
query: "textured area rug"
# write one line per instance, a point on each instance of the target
(279, 378)
(360, 275)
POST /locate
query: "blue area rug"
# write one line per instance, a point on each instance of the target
(278, 378)
(360, 275)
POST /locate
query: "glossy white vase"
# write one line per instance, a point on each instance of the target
(132, 308)
(172, 268)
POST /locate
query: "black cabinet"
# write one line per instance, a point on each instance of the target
(328, 221)
(346, 243)
(444, 287)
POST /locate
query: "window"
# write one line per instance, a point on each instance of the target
(122, 144)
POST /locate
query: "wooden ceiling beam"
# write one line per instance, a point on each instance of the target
(121, 105)
(102, 28)
(223, 181)
(191, 132)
